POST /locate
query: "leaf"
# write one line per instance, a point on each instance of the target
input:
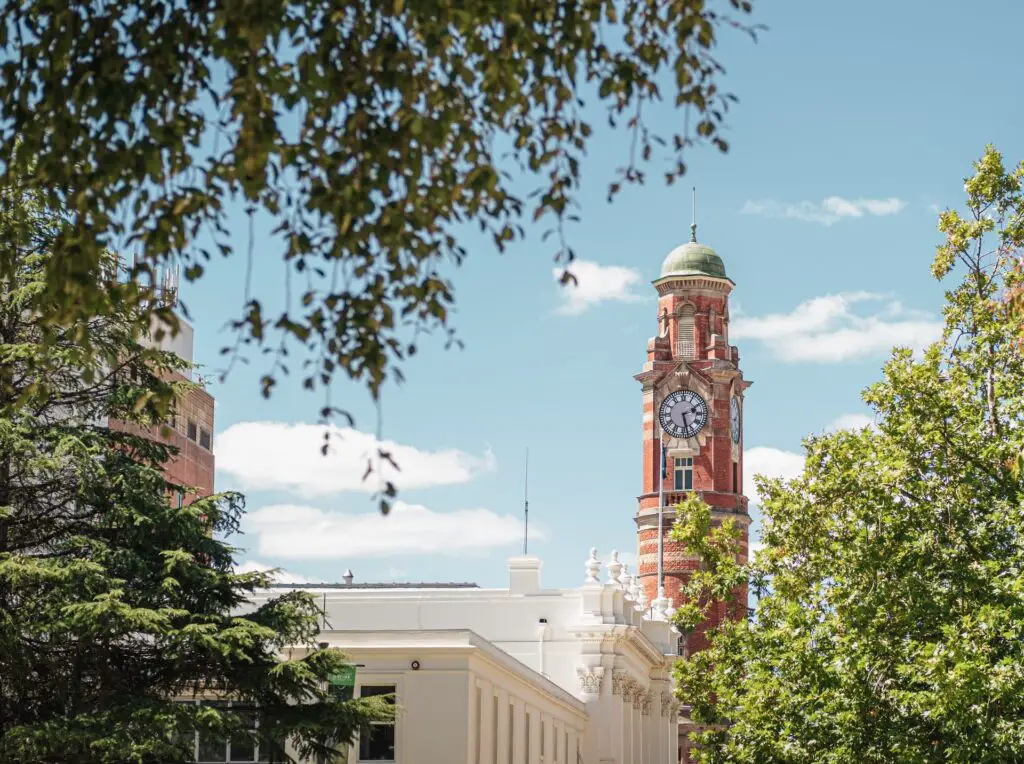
(888, 615)
(361, 145)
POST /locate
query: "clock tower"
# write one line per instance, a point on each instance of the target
(693, 414)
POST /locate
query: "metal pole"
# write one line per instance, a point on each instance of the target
(526, 502)
(661, 518)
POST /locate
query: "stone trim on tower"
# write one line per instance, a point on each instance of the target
(692, 353)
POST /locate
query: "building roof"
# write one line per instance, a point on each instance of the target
(355, 642)
(693, 259)
(424, 585)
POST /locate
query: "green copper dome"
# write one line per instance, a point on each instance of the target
(693, 259)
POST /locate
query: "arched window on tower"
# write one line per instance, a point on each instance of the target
(685, 344)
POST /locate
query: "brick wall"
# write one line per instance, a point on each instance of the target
(715, 368)
(191, 432)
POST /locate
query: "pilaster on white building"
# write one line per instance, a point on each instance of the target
(519, 675)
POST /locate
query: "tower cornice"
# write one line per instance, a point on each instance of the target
(674, 283)
(649, 378)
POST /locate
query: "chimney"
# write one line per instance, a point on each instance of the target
(524, 575)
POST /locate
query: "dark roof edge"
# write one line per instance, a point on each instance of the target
(342, 585)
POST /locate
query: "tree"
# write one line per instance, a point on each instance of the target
(371, 132)
(719, 577)
(890, 619)
(114, 601)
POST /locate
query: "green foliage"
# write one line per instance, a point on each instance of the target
(114, 602)
(890, 625)
(371, 132)
(720, 577)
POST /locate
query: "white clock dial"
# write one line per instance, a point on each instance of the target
(683, 414)
(734, 419)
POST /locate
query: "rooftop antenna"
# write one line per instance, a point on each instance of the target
(693, 225)
(526, 501)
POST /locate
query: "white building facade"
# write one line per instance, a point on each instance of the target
(522, 675)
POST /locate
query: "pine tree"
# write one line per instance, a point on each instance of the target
(115, 603)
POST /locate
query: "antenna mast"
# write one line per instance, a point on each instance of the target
(693, 218)
(526, 501)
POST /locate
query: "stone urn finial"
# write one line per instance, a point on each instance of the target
(593, 567)
(641, 601)
(614, 569)
(627, 581)
(636, 590)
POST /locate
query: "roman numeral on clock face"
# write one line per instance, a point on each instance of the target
(683, 414)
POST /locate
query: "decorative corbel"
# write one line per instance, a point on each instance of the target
(638, 696)
(591, 679)
(619, 682)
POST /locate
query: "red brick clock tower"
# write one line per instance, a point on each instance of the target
(693, 405)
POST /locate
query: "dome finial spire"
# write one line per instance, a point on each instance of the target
(693, 225)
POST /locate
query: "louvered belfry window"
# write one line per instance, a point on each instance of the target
(685, 345)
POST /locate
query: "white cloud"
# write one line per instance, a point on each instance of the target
(292, 532)
(828, 330)
(278, 455)
(281, 576)
(830, 210)
(596, 283)
(770, 462)
(850, 422)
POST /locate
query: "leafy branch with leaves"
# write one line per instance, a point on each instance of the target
(371, 133)
(890, 619)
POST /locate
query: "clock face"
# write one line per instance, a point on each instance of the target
(734, 419)
(683, 414)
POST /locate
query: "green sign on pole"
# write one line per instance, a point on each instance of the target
(344, 677)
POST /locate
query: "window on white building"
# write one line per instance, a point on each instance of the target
(683, 477)
(377, 742)
(210, 748)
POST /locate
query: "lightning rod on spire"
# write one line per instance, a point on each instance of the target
(693, 218)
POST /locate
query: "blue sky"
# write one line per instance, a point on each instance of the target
(855, 123)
